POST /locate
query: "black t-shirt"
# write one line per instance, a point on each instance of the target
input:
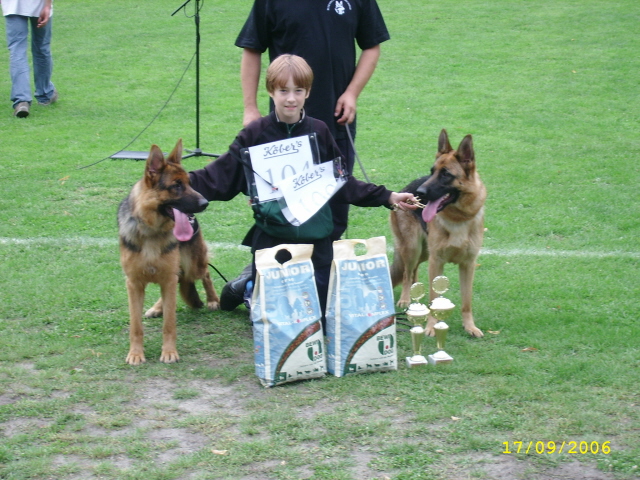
(324, 33)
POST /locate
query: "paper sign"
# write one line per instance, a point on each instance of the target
(308, 191)
(275, 161)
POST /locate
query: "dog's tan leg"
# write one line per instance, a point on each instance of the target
(399, 274)
(400, 271)
(135, 292)
(436, 267)
(213, 302)
(410, 251)
(155, 311)
(169, 292)
(411, 262)
(467, 272)
(408, 278)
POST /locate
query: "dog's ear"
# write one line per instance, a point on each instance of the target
(155, 161)
(176, 154)
(465, 154)
(443, 143)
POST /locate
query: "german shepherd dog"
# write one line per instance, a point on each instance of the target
(160, 242)
(448, 230)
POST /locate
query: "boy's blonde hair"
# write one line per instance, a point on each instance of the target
(286, 66)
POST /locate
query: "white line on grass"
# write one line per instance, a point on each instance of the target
(543, 252)
(218, 246)
(93, 242)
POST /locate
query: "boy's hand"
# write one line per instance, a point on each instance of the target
(403, 201)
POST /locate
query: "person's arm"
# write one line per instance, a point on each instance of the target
(249, 78)
(45, 14)
(346, 105)
(220, 180)
(363, 194)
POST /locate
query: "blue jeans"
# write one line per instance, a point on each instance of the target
(17, 33)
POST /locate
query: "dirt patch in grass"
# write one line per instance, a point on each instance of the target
(20, 425)
(173, 419)
(509, 467)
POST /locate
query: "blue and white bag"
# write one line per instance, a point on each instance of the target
(286, 316)
(361, 326)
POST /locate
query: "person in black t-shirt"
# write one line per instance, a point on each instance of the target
(325, 34)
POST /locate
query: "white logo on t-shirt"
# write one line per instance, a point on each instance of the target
(339, 6)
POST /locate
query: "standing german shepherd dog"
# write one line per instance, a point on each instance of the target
(449, 230)
(160, 242)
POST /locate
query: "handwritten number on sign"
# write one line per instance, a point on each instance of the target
(287, 171)
(318, 199)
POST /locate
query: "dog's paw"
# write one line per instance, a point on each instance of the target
(169, 356)
(428, 329)
(135, 358)
(474, 331)
(403, 303)
(153, 313)
(213, 306)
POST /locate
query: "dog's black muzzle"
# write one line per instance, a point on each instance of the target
(191, 204)
(433, 190)
(203, 203)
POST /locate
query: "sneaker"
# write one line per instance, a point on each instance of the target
(21, 110)
(232, 294)
(53, 99)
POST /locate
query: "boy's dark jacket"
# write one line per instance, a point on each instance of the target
(225, 177)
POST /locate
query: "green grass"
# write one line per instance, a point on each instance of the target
(549, 92)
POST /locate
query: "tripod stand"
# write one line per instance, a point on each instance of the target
(196, 152)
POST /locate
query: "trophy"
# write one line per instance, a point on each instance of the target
(417, 313)
(441, 309)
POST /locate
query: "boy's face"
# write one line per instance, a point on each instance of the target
(289, 101)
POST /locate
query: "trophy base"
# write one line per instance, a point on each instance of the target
(440, 357)
(416, 361)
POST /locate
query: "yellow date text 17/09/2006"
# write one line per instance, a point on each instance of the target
(549, 448)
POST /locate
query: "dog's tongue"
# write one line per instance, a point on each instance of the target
(183, 229)
(431, 209)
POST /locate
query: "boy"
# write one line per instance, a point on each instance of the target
(288, 81)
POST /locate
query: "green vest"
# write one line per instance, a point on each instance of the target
(269, 217)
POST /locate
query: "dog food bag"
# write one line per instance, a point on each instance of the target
(286, 316)
(360, 319)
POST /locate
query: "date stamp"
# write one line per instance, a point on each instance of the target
(548, 448)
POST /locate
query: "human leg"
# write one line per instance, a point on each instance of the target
(17, 32)
(42, 62)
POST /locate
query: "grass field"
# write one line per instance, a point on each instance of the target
(549, 91)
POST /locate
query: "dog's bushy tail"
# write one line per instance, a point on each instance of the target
(190, 295)
(397, 268)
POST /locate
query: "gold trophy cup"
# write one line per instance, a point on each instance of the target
(417, 313)
(441, 308)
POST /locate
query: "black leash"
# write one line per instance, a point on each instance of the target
(150, 123)
(218, 272)
(401, 319)
(355, 152)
